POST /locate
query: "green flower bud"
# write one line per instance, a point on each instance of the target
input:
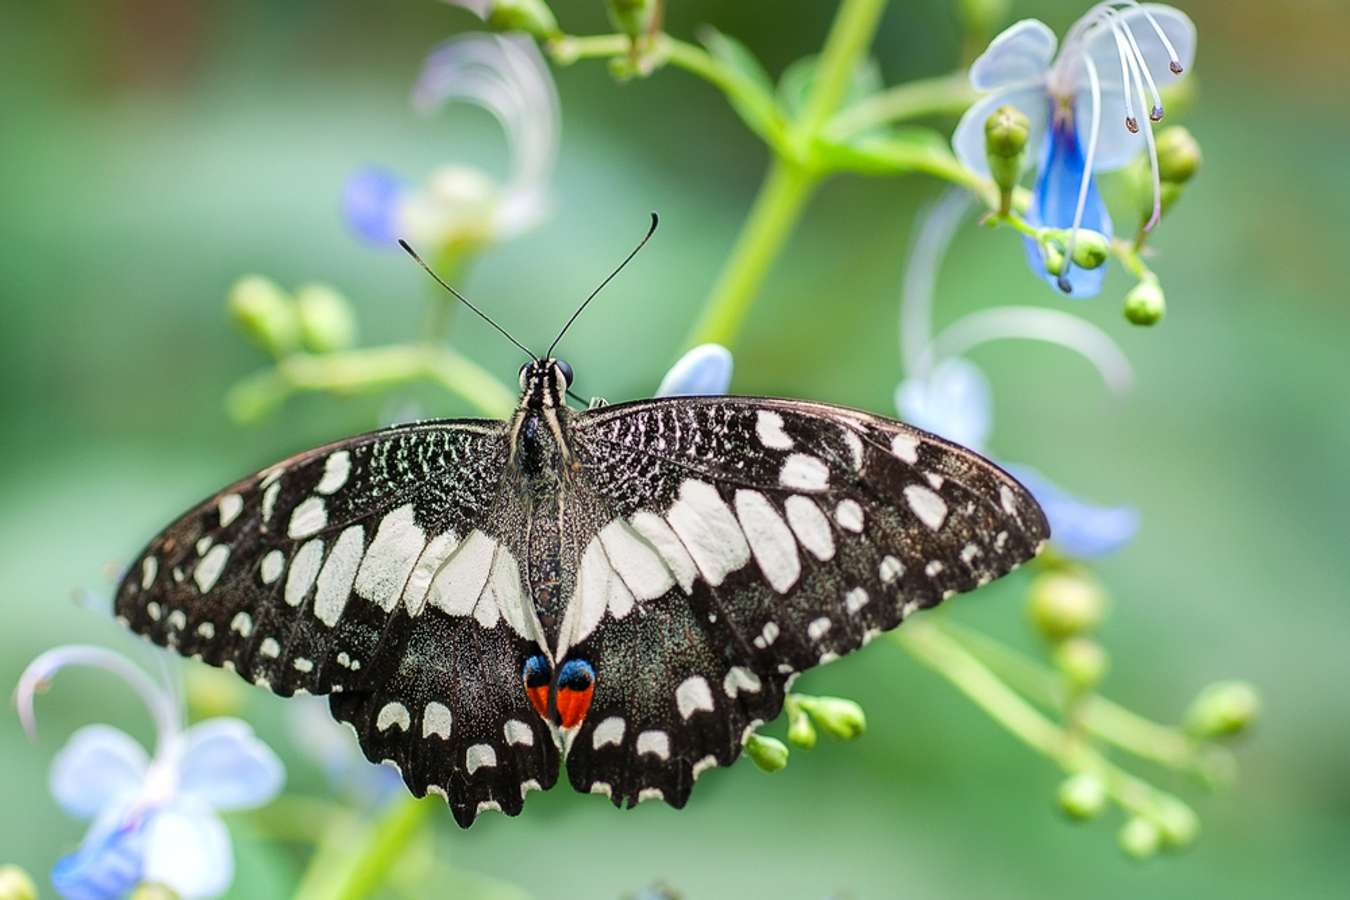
(264, 312)
(770, 754)
(213, 692)
(530, 16)
(1139, 838)
(1005, 137)
(836, 716)
(1091, 249)
(1144, 304)
(326, 320)
(1223, 709)
(1052, 254)
(1179, 155)
(982, 17)
(800, 730)
(1082, 796)
(632, 17)
(1065, 604)
(1083, 662)
(1177, 823)
(151, 890)
(15, 884)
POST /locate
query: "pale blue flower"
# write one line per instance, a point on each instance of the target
(1077, 528)
(333, 747)
(954, 400)
(704, 370)
(154, 816)
(507, 77)
(1085, 105)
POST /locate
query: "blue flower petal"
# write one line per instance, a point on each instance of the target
(955, 401)
(106, 866)
(702, 371)
(1079, 529)
(1056, 199)
(370, 205)
(188, 848)
(100, 766)
(226, 767)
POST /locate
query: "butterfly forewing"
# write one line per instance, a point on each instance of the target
(790, 533)
(380, 571)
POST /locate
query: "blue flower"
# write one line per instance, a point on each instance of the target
(1077, 528)
(457, 204)
(1084, 104)
(704, 370)
(155, 817)
(333, 746)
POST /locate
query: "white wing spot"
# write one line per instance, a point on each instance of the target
(390, 558)
(704, 764)
(767, 636)
(308, 518)
(229, 506)
(212, 564)
(657, 743)
(740, 679)
(479, 756)
(928, 506)
(650, 793)
(459, 585)
(152, 610)
(935, 480)
(692, 695)
(610, 731)
(336, 468)
(1000, 541)
(242, 623)
(487, 806)
(769, 429)
(933, 568)
(206, 630)
(203, 544)
(770, 540)
(393, 714)
(270, 648)
(149, 569)
(269, 501)
(855, 599)
(849, 515)
(657, 533)
(818, 627)
(528, 785)
(637, 562)
(335, 581)
(969, 552)
(303, 665)
(905, 447)
(304, 569)
(602, 788)
(273, 564)
(428, 564)
(178, 620)
(855, 447)
(810, 526)
(804, 473)
(436, 720)
(709, 531)
(890, 569)
(1007, 499)
(517, 732)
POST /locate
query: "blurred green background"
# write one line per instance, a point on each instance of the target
(152, 151)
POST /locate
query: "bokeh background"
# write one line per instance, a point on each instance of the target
(152, 151)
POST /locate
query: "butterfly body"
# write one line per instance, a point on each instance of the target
(629, 588)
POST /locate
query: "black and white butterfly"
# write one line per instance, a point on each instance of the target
(628, 589)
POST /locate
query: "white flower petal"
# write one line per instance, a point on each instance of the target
(188, 849)
(1020, 54)
(704, 370)
(99, 767)
(968, 139)
(226, 767)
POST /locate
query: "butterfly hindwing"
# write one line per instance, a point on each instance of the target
(789, 534)
(380, 571)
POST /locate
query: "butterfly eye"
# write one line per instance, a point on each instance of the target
(566, 371)
(524, 370)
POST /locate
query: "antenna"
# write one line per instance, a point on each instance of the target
(650, 231)
(407, 248)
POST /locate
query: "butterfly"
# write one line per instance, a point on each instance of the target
(627, 590)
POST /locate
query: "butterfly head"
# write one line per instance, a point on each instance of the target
(544, 382)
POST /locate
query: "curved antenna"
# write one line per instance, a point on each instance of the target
(407, 248)
(650, 231)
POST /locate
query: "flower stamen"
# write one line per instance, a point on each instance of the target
(1086, 180)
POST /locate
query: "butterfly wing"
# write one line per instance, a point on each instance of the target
(372, 570)
(739, 541)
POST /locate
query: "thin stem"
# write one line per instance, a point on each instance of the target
(850, 35)
(775, 211)
(349, 867)
(944, 95)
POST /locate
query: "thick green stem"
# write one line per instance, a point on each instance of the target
(945, 95)
(850, 35)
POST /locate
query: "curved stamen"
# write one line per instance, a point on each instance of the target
(937, 227)
(1127, 61)
(1156, 113)
(1174, 59)
(1086, 181)
(1038, 324)
(1152, 153)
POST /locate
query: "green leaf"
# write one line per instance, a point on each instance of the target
(798, 79)
(755, 102)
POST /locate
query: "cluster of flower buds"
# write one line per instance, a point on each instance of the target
(838, 717)
(1066, 606)
(315, 318)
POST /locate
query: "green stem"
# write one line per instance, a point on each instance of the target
(775, 211)
(361, 865)
(945, 95)
(850, 35)
(946, 656)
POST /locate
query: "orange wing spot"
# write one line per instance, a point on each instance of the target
(573, 704)
(539, 699)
